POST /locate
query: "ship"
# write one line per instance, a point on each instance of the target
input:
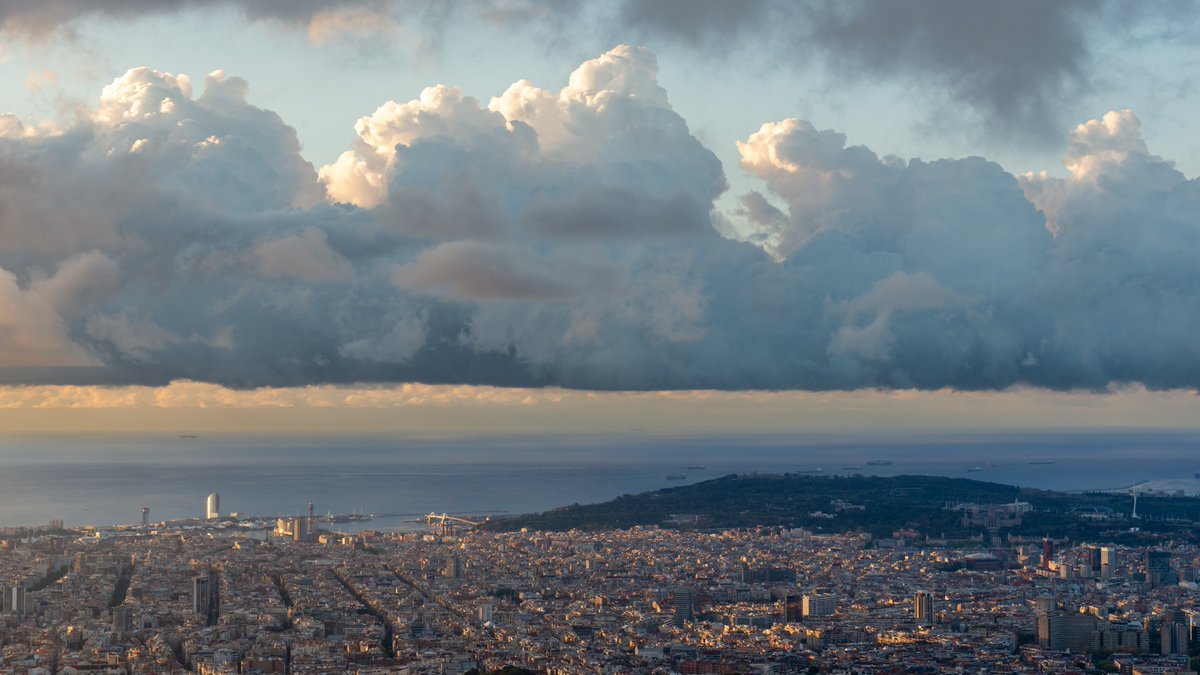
(854, 467)
(188, 436)
(677, 476)
(879, 462)
(697, 467)
(1042, 461)
(975, 468)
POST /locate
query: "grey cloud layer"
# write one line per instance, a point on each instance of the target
(1011, 66)
(1014, 65)
(37, 17)
(567, 238)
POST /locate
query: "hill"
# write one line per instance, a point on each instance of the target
(874, 504)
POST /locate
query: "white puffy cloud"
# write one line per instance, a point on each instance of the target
(569, 238)
(604, 156)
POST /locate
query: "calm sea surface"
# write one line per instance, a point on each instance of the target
(106, 480)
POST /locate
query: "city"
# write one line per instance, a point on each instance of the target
(175, 597)
(610, 337)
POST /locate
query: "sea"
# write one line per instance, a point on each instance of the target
(106, 480)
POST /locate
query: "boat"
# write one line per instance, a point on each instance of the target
(697, 467)
(676, 476)
(975, 468)
(879, 462)
(811, 471)
(1042, 461)
(188, 436)
(851, 468)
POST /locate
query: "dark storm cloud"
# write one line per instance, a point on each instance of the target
(1015, 65)
(566, 238)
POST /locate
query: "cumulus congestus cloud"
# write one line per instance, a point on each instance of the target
(566, 237)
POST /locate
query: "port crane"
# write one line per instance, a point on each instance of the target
(444, 522)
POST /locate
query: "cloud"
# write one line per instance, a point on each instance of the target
(304, 256)
(569, 238)
(32, 334)
(475, 270)
(1010, 69)
(603, 157)
(323, 19)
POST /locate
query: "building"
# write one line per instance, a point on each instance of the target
(1049, 631)
(1108, 562)
(1074, 632)
(1045, 604)
(685, 611)
(14, 602)
(1047, 552)
(923, 608)
(145, 516)
(206, 596)
(1158, 569)
(213, 506)
(1078, 632)
(792, 609)
(1175, 638)
(122, 620)
(819, 604)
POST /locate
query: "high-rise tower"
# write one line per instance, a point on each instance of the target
(684, 607)
(206, 596)
(923, 608)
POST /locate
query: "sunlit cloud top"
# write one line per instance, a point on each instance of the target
(583, 233)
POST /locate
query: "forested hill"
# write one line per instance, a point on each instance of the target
(879, 505)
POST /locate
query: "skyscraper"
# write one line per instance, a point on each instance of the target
(1108, 562)
(14, 602)
(792, 608)
(684, 607)
(1158, 568)
(122, 620)
(923, 608)
(1174, 636)
(145, 516)
(213, 506)
(206, 596)
(1047, 552)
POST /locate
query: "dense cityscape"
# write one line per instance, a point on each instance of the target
(206, 596)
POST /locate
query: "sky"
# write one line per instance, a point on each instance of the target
(522, 215)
